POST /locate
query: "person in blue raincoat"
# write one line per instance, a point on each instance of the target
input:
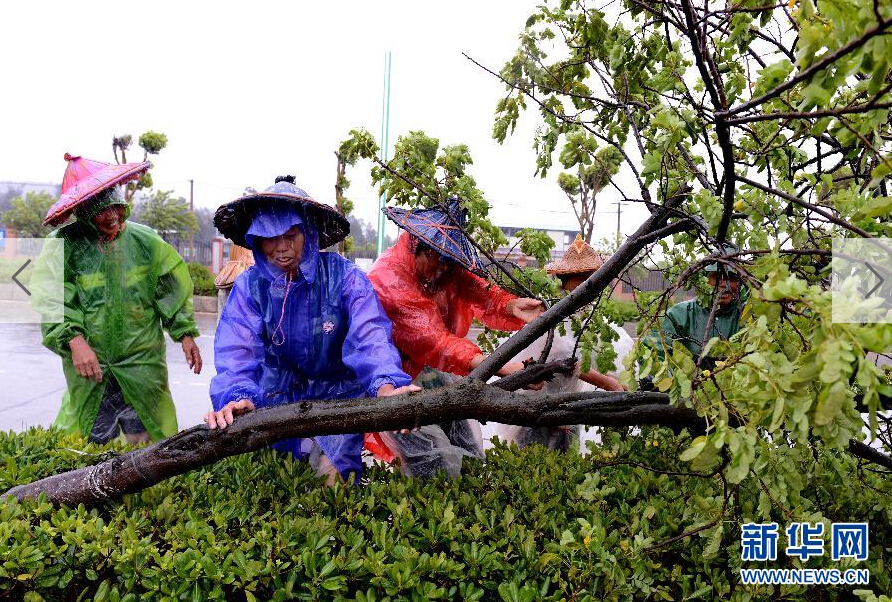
(299, 324)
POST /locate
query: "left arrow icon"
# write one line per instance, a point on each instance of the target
(20, 270)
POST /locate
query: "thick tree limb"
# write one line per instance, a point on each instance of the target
(200, 446)
(862, 450)
(584, 294)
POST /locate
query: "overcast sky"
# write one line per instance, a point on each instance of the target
(250, 90)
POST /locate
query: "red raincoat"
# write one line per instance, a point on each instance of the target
(430, 330)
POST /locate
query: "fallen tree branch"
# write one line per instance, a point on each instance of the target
(199, 446)
(584, 294)
(862, 450)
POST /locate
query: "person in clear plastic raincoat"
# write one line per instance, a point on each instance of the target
(578, 263)
(431, 287)
(123, 285)
(299, 324)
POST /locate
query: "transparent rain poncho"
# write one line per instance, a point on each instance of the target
(432, 447)
(320, 335)
(120, 295)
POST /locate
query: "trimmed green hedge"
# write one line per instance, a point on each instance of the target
(525, 525)
(202, 279)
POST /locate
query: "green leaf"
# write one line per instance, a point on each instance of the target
(694, 450)
(830, 402)
(711, 550)
(777, 415)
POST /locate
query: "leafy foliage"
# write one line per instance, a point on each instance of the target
(771, 125)
(524, 525)
(202, 279)
(26, 215)
(151, 143)
(166, 214)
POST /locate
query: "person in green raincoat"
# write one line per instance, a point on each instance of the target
(686, 322)
(122, 285)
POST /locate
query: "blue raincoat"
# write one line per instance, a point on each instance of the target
(337, 338)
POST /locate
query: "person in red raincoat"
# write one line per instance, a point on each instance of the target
(431, 287)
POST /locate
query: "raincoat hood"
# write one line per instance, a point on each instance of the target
(274, 220)
(88, 210)
(705, 297)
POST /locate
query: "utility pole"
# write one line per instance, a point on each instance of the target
(619, 210)
(191, 210)
(384, 152)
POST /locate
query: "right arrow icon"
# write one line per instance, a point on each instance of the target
(880, 280)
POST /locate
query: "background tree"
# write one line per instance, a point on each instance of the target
(206, 232)
(26, 215)
(349, 151)
(10, 191)
(152, 143)
(167, 215)
(365, 236)
(595, 169)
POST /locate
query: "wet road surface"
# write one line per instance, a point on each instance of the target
(32, 383)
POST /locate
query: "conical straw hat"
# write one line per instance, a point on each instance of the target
(580, 257)
(234, 218)
(240, 259)
(440, 231)
(84, 179)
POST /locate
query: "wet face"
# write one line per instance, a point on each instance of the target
(431, 269)
(727, 286)
(569, 282)
(109, 221)
(284, 251)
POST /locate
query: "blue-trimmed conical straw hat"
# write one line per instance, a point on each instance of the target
(235, 217)
(440, 231)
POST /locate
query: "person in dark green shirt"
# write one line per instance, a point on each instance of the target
(686, 322)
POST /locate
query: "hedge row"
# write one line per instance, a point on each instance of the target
(524, 525)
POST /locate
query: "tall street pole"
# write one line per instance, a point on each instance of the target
(384, 152)
(192, 210)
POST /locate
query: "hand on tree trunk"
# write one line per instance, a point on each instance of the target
(226, 415)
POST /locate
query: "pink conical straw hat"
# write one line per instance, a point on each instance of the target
(84, 179)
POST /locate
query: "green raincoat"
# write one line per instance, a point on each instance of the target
(119, 297)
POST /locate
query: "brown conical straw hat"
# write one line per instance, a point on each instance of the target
(579, 258)
(240, 259)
